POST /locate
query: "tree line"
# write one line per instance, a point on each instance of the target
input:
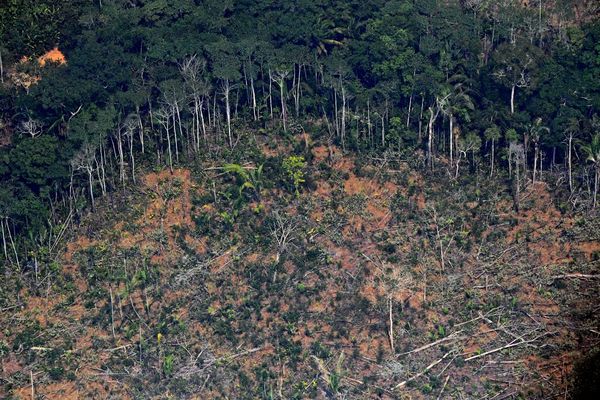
(501, 88)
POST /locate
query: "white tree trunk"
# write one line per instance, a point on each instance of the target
(596, 178)
(432, 118)
(121, 157)
(283, 108)
(254, 114)
(409, 111)
(202, 119)
(512, 99)
(141, 126)
(343, 130)
(226, 90)
(492, 161)
(91, 186)
(451, 137)
(1, 68)
(271, 93)
(535, 159)
(569, 159)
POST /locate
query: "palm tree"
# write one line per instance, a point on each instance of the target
(458, 102)
(573, 127)
(535, 132)
(492, 134)
(592, 150)
(471, 142)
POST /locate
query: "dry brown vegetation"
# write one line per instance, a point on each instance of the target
(393, 284)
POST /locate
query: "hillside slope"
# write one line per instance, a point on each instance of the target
(375, 281)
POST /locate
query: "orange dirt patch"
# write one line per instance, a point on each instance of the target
(370, 292)
(588, 248)
(343, 164)
(40, 307)
(78, 244)
(54, 56)
(55, 391)
(378, 197)
(169, 209)
(320, 153)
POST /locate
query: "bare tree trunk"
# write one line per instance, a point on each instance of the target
(196, 120)
(151, 114)
(254, 114)
(103, 165)
(3, 239)
(409, 111)
(169, 144)
(112, 314)
(432, 118)
(458, 159)
(202, 120)
(131, 156)
(141, 126)
(192, 132)
(541, 165)
(121, 157)
(512, 99)
(226, 91)
(208, 111)
(91, 186)
(298, 91)
(12, 243)
(369, 121)
(391, 324)
(509, 162)
(451, 137)
(343, 130)
(421, 118)
(271, 93)
(236, 102)
(335, 109)
(180, 127)
(518, 188)
(100, 172)
(215, 111)
(492, 161)
(1, 68)
(383, 131)
(569, 158)
(174, 126)
(32, 385)
(596, 178)
(535, 160)
(283, 108)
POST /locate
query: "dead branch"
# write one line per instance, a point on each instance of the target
(433, 364)
(231, 356)
(359, 382)
(42, 349)
(443, 387)
(514, 343)
(574, 276)
(453, 336)
(477, 318)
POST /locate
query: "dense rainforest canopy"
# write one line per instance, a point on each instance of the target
(161, 82)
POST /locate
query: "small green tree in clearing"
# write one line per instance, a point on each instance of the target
(294, 168)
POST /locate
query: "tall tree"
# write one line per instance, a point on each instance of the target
(592, 151)
(515, 66)
(226, 68)
(492, 134)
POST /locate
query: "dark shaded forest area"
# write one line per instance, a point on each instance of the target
(166, 81)
(468, 131)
